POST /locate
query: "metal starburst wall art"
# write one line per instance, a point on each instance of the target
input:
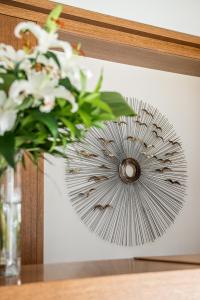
(127, 181)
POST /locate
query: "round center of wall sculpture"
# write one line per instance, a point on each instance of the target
(127, 181)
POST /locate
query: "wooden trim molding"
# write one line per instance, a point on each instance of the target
(116, 39)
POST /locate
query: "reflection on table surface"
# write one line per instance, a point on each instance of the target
(61, 271)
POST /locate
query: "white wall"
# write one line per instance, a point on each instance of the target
(177, 96)
(179, 15)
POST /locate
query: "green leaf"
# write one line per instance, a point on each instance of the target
(51, 25)
(29, 138)
(7, 148)
(8, 79)
(85, 117)
(47, 119)
(61, 102)
(102, 105)
(18, 72)
(70, 126)
(99, 83)
(58, 152)
(117, 104)
(3, 165)
(26, 120)
(20, 140)
(83, 81)
(26, 103)
(89, 97)
(95, 101)
(52, 55)
(68, 85)
(99, 124)
(106, 117)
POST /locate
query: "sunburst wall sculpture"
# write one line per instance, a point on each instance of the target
(127, 181)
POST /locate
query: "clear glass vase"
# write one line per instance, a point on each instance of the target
(10, 221)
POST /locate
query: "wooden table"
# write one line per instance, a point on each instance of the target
(36, 281)
(61, 271)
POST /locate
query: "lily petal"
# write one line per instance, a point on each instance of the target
(19, 89)
(7, 120)
(31, 26)
(61, 92)
(48, 105)
(63, 45)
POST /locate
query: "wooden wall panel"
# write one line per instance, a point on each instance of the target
(32, 212)
(32, 178)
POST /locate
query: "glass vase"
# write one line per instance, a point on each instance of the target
(10, 221)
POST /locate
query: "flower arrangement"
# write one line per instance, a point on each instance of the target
(44, 102)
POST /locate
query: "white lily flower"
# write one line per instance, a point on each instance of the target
(8, 113)
(57, 92)
(50, 67)
(71, 68)
(46, 40)
(41, 87)
(9, 56)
